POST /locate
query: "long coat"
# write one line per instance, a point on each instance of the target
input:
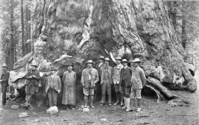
(69, 80)
(125, 81)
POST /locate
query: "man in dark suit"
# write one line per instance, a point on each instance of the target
(98, 87)
(4, 82)
(125, 84)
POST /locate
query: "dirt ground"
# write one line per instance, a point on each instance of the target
(153, 113)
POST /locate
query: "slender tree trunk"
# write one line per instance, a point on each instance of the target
(28, 29)
(12, 40)
(22, 29)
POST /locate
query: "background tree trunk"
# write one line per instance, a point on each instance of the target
(22, 28)
(28, 29)
(12, 49)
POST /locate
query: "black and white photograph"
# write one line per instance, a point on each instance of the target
(99, 62)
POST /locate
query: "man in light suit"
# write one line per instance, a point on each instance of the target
(125, 84)
(88, 80)
(106, 82)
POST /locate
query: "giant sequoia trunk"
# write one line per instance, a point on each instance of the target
(128, 28)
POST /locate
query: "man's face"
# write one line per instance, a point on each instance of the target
(124, 64)
(70, 68)
(89, 65)
(132, 64)
(101, 61)
(4, 69)
(136, 64)
(33, 68)
(107, 63)
(118, 62)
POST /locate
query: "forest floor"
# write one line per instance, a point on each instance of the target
(152, 113)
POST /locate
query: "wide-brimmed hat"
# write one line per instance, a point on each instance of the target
(136, 60)
(101, 57)
(107, 59)
(90, 61)
(124, 60)
(34, 64)
(118, 58)
(4, 65)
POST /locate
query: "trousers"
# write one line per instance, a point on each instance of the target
(4, 89)
(106, 88)
(52, 97)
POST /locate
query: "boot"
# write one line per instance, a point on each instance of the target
(125, 106)
(128, 108)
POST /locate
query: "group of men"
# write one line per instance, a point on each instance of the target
(127, 82)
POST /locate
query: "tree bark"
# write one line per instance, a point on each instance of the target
(184, 33)
(22, 28)
(28, 29)
(12, 50)
(123, 28)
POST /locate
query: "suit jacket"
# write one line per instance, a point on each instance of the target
(4, 78)
(125, 77)
(33, 78)
(98, 67)
(138, 78)
(103, 69)
(54, 82)
(85, 77)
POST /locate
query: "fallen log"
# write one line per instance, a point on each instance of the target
(163, 90)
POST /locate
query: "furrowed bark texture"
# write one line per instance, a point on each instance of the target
(85, 29)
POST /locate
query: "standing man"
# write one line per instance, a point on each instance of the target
(125, 84)
(106, 82)
(89, 78)
(32, 82)
(53, 87)
(138, 81)
(99, 66)
(116, 80)
(4, 82)
(69, 80)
